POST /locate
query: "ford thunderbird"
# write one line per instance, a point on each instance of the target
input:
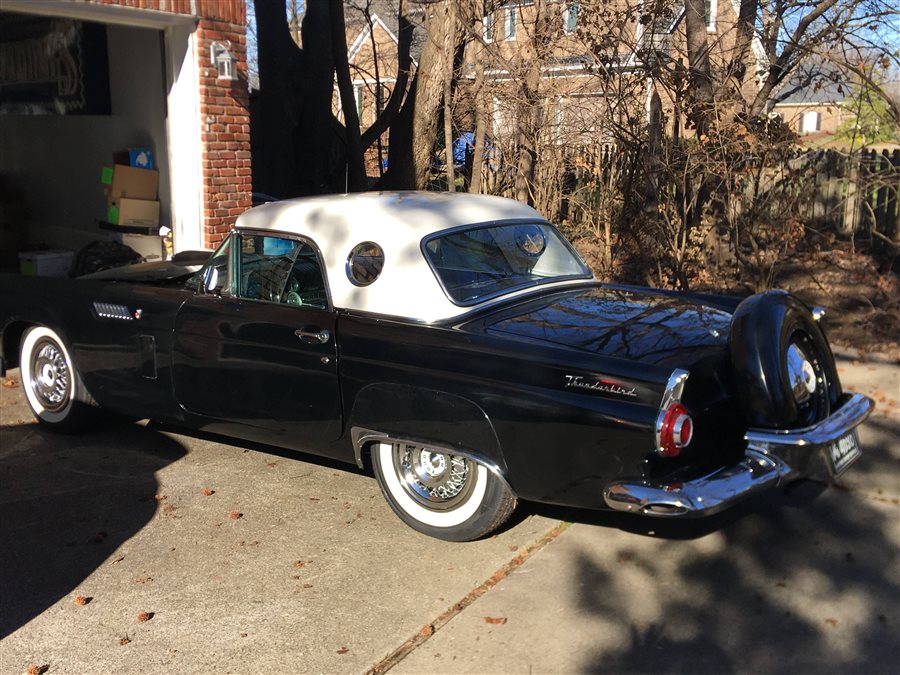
(458, 348)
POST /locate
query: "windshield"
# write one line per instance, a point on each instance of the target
(481, 262)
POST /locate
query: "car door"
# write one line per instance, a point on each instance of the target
(255, 349)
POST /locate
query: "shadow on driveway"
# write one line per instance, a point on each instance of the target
(67, 503)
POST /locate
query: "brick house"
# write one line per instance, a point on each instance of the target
(573, 99)
(85, 79)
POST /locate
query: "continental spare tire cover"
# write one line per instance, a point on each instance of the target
(784, 369)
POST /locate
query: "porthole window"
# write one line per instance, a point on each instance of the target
(364, 264)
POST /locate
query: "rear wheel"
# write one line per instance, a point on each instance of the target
(51, 383)
(440, 494)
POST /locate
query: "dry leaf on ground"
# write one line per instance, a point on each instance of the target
(234, 515)
(207, 492)
(81, 600)
(495, 620)
(145, 616)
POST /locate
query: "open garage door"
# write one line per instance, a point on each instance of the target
(76, 87)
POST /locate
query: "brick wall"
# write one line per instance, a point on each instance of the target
(225, 116)
(224, 109)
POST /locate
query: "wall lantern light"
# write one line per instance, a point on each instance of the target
(224, 61)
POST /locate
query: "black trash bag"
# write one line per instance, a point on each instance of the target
(102, 255)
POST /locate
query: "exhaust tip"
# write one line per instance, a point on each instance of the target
(664, 510)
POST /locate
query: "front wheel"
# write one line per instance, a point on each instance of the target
(51, 384)
(442, 495)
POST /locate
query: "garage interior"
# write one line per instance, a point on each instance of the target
(72, 93)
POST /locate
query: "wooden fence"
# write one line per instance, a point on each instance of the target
(856, 193)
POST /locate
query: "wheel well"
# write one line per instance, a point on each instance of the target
(12, 339)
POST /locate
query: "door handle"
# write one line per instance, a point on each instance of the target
(321, 336)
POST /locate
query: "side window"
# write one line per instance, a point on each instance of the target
(280, 270)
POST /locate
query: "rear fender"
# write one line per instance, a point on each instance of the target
(396, 412)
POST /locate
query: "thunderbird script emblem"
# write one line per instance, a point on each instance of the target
(602, 386)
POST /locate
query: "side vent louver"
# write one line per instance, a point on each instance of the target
(107, 310)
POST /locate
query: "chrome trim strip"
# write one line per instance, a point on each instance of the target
(672, 394)
(703, 496)
(852, 413)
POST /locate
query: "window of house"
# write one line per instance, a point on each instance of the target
(570, 18)
(510, 23)
(712, 7)
(358, 95)
(488, 28)
(811, 122)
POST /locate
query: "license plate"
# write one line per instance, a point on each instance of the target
(843, 452)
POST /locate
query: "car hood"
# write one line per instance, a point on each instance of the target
(654, 327)
(149, 272)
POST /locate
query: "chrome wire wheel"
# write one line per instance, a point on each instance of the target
(439, 493)
(50, 376)
(50, 382)
(434, 479)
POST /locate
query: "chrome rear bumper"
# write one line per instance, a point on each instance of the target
(772, 458)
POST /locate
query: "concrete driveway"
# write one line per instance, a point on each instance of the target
(249, 561)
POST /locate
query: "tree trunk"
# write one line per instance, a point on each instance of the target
(480, 122)
(435, 61)
(700, 108)
(355, 166)
(294, 129)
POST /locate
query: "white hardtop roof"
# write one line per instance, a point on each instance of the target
(397, 222)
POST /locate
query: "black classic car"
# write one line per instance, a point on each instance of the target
(458, 347)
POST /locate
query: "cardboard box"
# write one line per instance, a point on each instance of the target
(54, 263)
(138, 212)
(133, 183)
(141, 158)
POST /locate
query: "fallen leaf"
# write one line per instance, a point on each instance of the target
(495, 620)
(234, 515)
(307, 585)
(160, 498)
(314, 499)
(427, 630)
(299, 564)
(124, 640)
(143, 580)
(206, 492)
(342, 650)
(38, 670)
(118, 560)
(10, 383)
(271, 465)
(81, 600)
(243, 635)
(145, 616)
(831, 622)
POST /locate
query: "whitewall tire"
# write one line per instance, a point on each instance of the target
(440, 494)
(51, 383)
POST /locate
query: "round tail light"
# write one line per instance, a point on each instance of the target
(676, 430)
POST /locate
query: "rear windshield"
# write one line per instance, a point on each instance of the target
(479, 263)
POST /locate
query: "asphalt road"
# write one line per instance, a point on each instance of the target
(251, 561)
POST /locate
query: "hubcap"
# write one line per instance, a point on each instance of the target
(436, 480)
(50, 376)
(801, 374)
(807, 380)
